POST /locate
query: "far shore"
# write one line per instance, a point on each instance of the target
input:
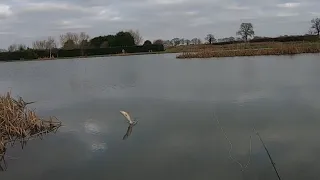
(246, 49)
(228, 50)
(94, 56)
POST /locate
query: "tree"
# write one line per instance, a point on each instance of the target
(232, 39)
(40, 44)
(69, 44)
(136, 36)
(158, 41)
(83, 42)
(195, 41)
(315, 26)
(74, 40)
(245, 31)
(147, 42)
(22, 47)
(69, 37)
(210, 38)
(50, 43)
(123, 39)
(96, 42)
(175, 41)
(13, 47)
(238, 39)
(84, 45)
(182, 41)
(120, 39)
(83, 37)
(105, 44)
(187, 42)
(227, 39)
(167, 43)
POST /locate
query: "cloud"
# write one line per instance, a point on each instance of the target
(289, 5)
(165, 19)
(5, 11)
(287, 14)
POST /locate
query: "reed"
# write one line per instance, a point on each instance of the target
(276, 49)
(19, 124)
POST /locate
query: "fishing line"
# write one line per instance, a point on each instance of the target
(242, 167)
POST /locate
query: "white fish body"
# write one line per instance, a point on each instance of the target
(127, 116)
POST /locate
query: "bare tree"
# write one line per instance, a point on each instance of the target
(210, 38)
(13, 47)
(175, 41)
(69, 44)
(167, 43)
(158, 41)
(182, 41)
(136, 36)
(83, 37)
(50, 43)
(83, 41)
(68, 38)
(315, 26)
(231, 39)
(187, 42)
(195, 41)
(22, 47)
(40, 44)
(245, 31)
(74, 40)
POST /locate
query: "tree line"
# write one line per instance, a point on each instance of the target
(246, 33)
(73, 44)
(82, 41)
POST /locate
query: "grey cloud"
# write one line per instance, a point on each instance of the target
(27, 20)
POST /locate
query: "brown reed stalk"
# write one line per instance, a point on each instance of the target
(19, 124)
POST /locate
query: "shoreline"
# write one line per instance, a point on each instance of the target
(250, 49)
(83, 57)
(205, 51)
(239, 53)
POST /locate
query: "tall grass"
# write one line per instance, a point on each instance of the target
(253, 50)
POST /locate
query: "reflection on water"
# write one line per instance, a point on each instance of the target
(177, 137)
(91, 127)
(99, 147)
(129, 131)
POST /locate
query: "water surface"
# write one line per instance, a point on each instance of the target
(174, 100)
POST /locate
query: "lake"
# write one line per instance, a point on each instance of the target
(174, 101)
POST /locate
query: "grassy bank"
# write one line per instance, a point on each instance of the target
(249, 49)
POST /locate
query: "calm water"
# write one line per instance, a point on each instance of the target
(174, 101)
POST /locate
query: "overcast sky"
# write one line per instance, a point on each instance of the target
(23, 21)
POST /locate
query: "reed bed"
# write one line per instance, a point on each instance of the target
(19, 124)
(236, 46)
(277, 49)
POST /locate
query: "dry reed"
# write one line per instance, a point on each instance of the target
(17, 123)
(275, 49)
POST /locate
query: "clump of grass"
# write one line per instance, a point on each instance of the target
(279, 49)
(19, 124)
